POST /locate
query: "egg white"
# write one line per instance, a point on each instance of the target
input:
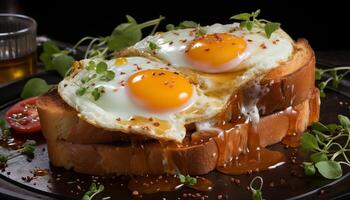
(115, 111)
(265, 53)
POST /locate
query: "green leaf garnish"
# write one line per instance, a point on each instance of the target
(5, 131)
(96, 93)
(3, 160)
(318, 156)
(93, 191)
(329, 169)
(344, 121)
(328, 142)
(49, 49)
(152, 45)
(35, 87)
(187, 180)
(271, 27)
(309, 142)
(91, 65)
(256, 191)
(81, 91)
(127, 34)
(101, 68)
(28, 148)
(336, 75)
(249, 20)
(108, 76)
(309, 168)
(182, 25)
(62, 63)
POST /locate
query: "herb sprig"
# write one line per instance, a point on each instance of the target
(326, 147)
(337, 74)
(5, 131)
(249, 20)
(93, 191)
(27, 149)
(99, 72)
(187, 180)
(256, 191)
(187, 24)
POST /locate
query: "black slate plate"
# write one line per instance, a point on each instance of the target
(284, 182)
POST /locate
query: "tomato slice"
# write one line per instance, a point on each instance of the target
(23, 116)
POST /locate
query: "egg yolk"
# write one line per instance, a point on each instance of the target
(215, 50)
(159, 90)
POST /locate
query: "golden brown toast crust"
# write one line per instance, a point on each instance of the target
(153, 158)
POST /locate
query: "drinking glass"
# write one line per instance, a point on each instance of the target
(17, 46)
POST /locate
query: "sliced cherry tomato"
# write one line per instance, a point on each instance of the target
(23, 116)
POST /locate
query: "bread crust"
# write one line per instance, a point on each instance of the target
(153, 158)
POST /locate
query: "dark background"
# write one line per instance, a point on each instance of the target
(325, 24)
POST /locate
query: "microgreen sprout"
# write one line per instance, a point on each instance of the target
(328, 150)
(187, 180)
(249, 20)
(27, 148)
(337, 74)
(93, 191)
(256, 191)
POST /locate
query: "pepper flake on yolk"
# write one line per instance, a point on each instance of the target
(159, 90)
(215, 53)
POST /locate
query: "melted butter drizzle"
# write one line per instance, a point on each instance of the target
(239, 145)
(293, 137)
(165, 183)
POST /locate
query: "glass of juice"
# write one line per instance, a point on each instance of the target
(17, 47)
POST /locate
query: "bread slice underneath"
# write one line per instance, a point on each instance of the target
(150, 157)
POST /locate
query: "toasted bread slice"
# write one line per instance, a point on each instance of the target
(151, 157)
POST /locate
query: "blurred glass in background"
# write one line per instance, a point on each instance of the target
(17, 46)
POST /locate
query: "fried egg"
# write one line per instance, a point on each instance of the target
(188, 78)
(144, 97)
(223, 48)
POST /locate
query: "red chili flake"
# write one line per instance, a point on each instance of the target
(132, 119)
(233, 43)
(150, 119)
(176, 33)
(148, 62)
(177, 73)
(183, 41)
(233, 29)
(218, 37)
(153, 73)
(263, 46)
(207, 49)
(161, 73)
(249, 40)
(118, 119)
(156, 124)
